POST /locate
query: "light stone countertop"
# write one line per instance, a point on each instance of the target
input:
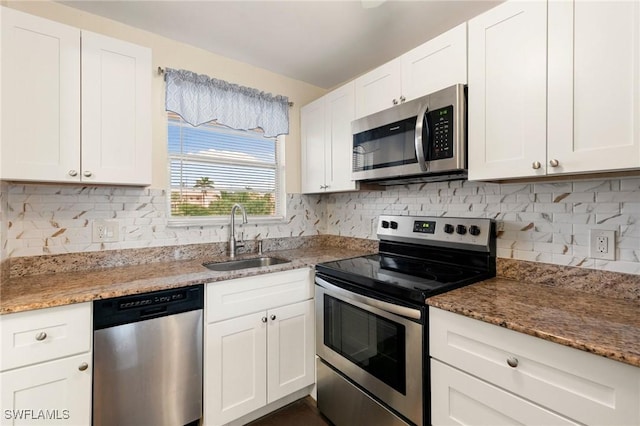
(56, 289)
(589, 310)
(605, 326)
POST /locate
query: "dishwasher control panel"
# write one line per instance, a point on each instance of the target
(141, 307)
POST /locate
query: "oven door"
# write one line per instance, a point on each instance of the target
(375, 344)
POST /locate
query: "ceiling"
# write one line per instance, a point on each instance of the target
(323, 43)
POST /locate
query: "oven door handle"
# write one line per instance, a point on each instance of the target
(385, 306)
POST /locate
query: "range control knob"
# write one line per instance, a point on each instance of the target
(474, 230)
(461, 229)
(385, 224)
(448, 228)
(394, 225)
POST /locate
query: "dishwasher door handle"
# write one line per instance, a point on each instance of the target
(152, 312)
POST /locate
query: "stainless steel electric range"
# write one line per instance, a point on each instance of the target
(372, 322)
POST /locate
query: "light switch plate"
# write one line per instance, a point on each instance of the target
(602, 244)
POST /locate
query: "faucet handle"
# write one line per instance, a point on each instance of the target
(260, 247)
(240, 240)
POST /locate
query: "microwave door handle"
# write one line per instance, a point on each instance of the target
(418, 138)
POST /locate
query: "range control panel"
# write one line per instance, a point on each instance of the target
(428, 230)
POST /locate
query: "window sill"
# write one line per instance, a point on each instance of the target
(222, 221)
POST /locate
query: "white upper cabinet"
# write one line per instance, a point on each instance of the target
(327, 142)
(379, 89)
(594, 86)
(434, 65)
(507, 91)
(312, 129)
(554, 88)
(116, 113)
(437, 64)
(40, 102)
(75, 105)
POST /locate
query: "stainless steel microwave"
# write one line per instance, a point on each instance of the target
(418, 141)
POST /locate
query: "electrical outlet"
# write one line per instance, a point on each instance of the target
(105, 231)
(602, 244)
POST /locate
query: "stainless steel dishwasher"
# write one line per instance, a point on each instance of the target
(148, 359)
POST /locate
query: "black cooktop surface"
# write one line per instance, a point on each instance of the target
(399, 277)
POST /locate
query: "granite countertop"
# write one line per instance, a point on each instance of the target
(605, 326)
(63, 288)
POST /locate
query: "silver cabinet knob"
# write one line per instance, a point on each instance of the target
(512, 361)
(554, 163)
(264, 319)
(73, 173)
(395, 102)
(402, 99)
(536, 165)
(83, 366)
(86, 173)
(273, 317)
(41, 336)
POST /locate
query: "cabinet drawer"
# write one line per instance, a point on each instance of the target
(571, 382)
(460, 399)
(44, 334)
(233, 298)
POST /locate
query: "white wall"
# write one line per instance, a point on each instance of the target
(170, 53)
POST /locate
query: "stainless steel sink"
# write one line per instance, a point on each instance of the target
(234, 265)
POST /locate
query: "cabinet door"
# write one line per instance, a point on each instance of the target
(116, 111)
(56, 392)
(378, 89)
(235, 368)
(312, 123)
(594, 86)
(40, 102)
(290, 349)
(460, 399)
(340, 112)
(507, 91)
(435, 65)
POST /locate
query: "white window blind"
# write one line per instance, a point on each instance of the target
(213, 167)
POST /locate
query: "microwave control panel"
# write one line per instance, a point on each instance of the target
(441, 127)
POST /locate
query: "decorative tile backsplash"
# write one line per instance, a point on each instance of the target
(541, 222)
(52, 219)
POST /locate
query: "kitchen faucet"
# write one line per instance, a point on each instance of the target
(233, 244)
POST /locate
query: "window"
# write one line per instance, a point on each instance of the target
(213, 167)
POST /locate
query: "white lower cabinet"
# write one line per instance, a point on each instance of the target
(458, 398)
(257, 358)
(56, 392)
(46, 372)
(485, 374)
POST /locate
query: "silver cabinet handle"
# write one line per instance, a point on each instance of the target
(41, 336)
(554, 163)
(512, 361)
(86, 173)
(273, 317)
(83, 366)
(536, 165)
(402, 99)
(395, 102)
(73, 173)
(323, 186)
(264, 319)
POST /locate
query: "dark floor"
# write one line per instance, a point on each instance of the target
(303, 412)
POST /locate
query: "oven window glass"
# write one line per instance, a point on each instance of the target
(375, 344)
(387, 146)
